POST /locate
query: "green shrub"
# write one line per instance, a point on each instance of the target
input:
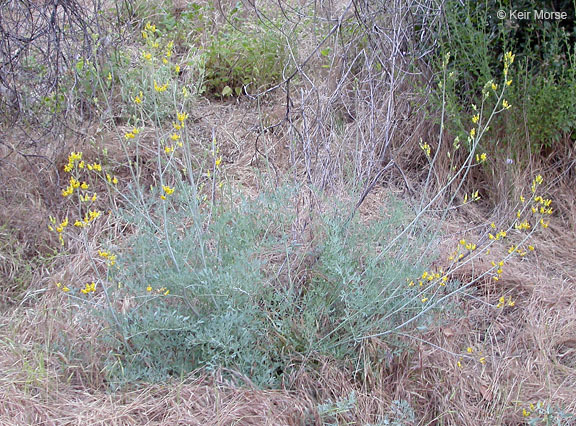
(540, 94)
(242, 55)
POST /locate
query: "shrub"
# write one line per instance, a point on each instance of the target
(218, 300)
(477, 40)
(242, 56)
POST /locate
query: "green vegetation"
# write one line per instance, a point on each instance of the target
(545, 84)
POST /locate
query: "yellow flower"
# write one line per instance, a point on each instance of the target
(424, 299)
(505, 104)
(174, 136)
(89, 288)
(482, 360)
(177, 69)
(68, 191)
(167, 190)
(169, 149)
(425, 147)
(473, 132)
(218, 161)
(182, 116)
(160, 88)
(147, 55)
(469, 350)
(149, 288)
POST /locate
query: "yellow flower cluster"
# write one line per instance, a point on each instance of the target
(502, 302)
(429, 278)
(162, 88)
(72, 159)
(500, 235)
(499, 271)
(480, 158)
(508, 60)
(161, 290)
(463, 247)
(110, 179)
(469, 350)
(89, 288)
(475, 196)
(62, 287)
(153, 50)
(531, 409)
(425, 147)
(139, 98)
(132, 134)
(58, 228)
(536, 182)
(89, 217)
(111, 258)
(176, 137)
(167, 191)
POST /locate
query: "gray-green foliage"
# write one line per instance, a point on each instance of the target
(242, 296)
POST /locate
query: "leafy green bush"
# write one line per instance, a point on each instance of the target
(240, 55)
(540, 94)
